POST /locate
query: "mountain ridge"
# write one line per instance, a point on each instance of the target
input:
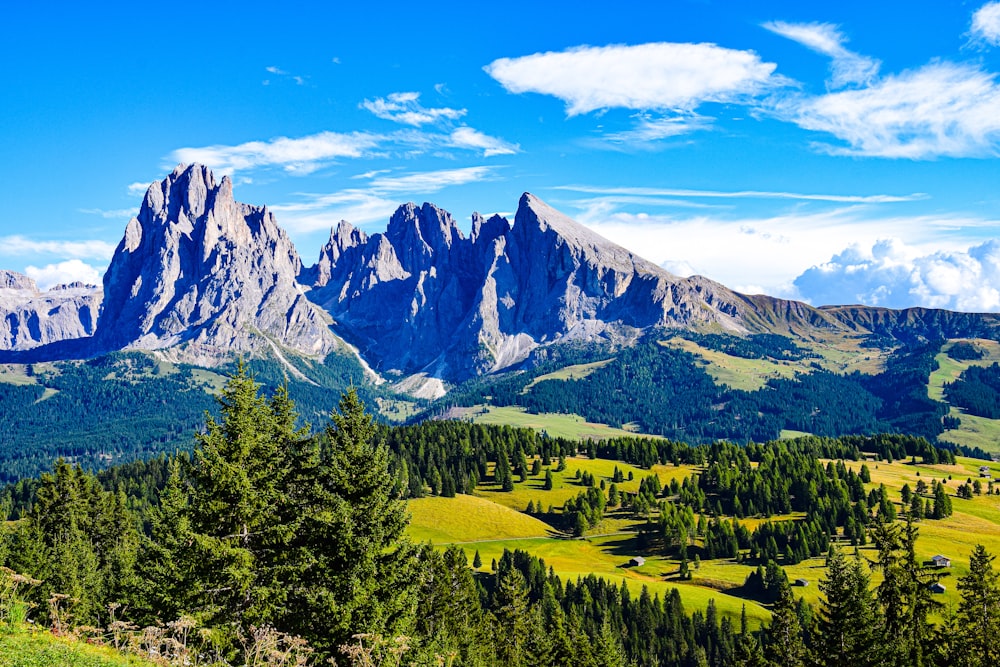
(199, 277)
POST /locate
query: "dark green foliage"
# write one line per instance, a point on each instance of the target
(965, 351)
(754, 346)
(977, 390)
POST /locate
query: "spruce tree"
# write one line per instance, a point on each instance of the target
(844, 629)
(977, 632)
(784, 636)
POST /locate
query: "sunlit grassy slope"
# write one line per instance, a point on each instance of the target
(481, 523)
(974, 431)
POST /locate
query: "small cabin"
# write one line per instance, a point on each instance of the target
(636, 561)
(802, 582)
(941, 561)
(937, 587)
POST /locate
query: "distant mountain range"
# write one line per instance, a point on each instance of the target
(200, 278)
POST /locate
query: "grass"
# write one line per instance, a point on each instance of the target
(973, 431)
(569, 426)
(29, 648)
(492, 521)
(575, 372)
(737, 372)
(16, 374)
(396, 410)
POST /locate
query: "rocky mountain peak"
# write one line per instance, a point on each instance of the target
(197, 268)
(15, 280)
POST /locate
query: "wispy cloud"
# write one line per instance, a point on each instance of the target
(277, 71)
(138, 188)
(655, 76)
(405, 108)
(112, 214)
(744, 194)
(847, 67)
(62, 273)
(305, 155)
(649, 130)
(941, 109)
(890, 273)
(374, 202)
(986, 24)
(302, 155)
(468, 138)
(20, 245)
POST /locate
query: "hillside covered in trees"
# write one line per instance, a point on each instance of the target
(269, 535)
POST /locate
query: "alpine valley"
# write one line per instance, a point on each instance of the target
(532, 321)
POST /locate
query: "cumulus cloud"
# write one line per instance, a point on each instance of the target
(468, 138)
(405, 108)
(654, 76)
(20, 245)
(891, 274)
(847, 67)
(986, 23)
(941, 109)
(64, 272)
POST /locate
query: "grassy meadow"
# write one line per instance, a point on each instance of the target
(491, 521)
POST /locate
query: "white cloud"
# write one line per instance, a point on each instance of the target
(305, 155)
(72, 270)
(431, 181)
(654, 76)
(892, 274)
(138, 188)
(20, 245)
(360, 205)
(847, 67)
(112, 214)
(405, 108)
(986, 23)
(468, 138)
(743, 194)
(941, 109)
(649, 129)
(766, 253)
(302, 155)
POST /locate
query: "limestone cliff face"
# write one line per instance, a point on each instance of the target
(30, 318)
(423, 298)
(207, 277)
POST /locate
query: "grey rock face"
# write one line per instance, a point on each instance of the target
(206, 276)
(30, 318)
(421, 298)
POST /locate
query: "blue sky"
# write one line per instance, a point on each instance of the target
(837, 152)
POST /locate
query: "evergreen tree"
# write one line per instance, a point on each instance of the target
(977, 631)
(844, 629)
(784, 636)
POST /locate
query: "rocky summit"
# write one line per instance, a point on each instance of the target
(30, 318)
(199, 277)
(203, 277)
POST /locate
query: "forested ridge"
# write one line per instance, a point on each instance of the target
(272, 539)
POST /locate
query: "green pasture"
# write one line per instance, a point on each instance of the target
(973, 431)
(737, 372)
(574, 372)
(492, 521)
(30, 648)
(556, 425)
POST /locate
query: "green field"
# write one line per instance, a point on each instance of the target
(492, 521)
(575, 372)
(974, 431)
(573, 427)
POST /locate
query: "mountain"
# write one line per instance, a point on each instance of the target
(202, 277)
(30, 318)
(199, 277)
